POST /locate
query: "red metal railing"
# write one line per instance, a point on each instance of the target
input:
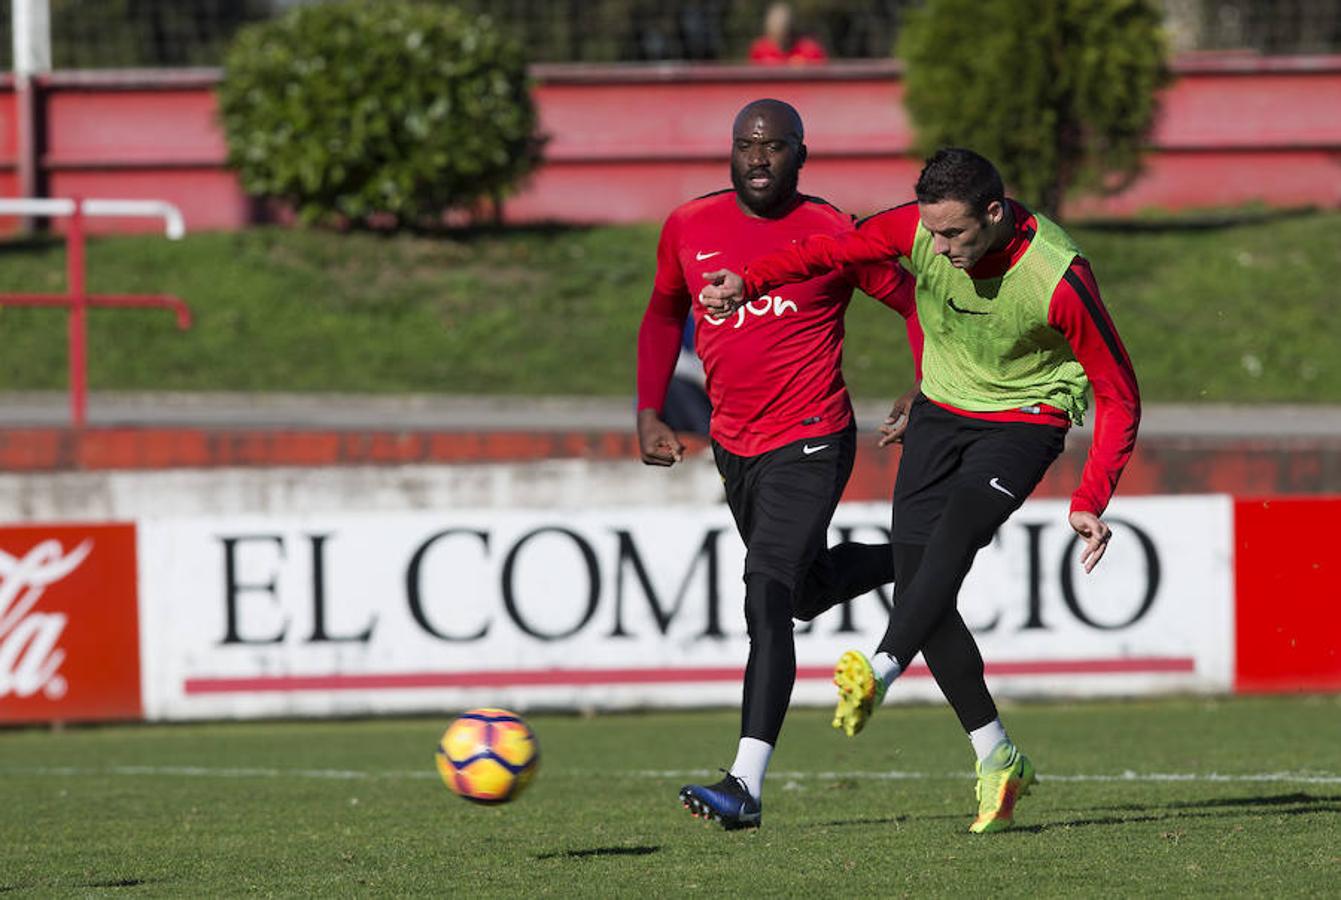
(77, 298)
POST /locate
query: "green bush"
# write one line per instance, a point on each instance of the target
(349, 110)
(1060, 94)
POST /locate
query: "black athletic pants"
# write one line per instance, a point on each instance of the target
(959, 480)
(782, 502)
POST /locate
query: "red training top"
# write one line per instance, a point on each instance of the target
(774, 366)
(1075, 310)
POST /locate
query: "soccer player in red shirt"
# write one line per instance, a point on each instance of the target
(783, 435)
(1015, 337)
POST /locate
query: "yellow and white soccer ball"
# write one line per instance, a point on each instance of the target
(488, 755)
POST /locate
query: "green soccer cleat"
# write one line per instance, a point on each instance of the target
(859, 692)
(1003, 778)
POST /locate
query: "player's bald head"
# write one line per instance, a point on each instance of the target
(767, 152)
(782, 117)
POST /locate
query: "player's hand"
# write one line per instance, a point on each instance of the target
(659, 445)
(724, 292)
(1096, 535)
(896, 423)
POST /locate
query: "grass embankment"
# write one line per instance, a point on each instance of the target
(1232, 313)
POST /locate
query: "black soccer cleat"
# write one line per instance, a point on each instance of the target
(726, 802)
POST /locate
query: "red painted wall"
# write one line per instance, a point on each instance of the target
(628, 143)
(1159, 465)
(9, 149)
(140, 135)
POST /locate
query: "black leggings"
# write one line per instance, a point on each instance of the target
(782, 501)
(950, 652)
(839, 573)
(959, 480)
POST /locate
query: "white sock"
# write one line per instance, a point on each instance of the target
(886, 668)
(986, 738)
(752, 757)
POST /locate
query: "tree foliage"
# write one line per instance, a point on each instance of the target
(1060, 94)
(348, 110)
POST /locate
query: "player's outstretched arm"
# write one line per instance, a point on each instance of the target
(881, 238)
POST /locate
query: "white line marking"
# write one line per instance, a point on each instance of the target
(222, 772)
(1128, 776)
(669, 774)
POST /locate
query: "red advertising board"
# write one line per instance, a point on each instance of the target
(1288, 622)
(69, 623)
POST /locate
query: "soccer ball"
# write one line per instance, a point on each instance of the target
(488, 755)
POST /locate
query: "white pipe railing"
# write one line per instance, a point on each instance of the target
(173, 223)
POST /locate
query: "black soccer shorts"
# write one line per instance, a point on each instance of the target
(783, 500)
(999, 463)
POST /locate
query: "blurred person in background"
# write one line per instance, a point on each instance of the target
(1016, 337)
(781, 45)
(782, 427)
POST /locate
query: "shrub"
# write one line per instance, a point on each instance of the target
(348, 110)
(1060, 94)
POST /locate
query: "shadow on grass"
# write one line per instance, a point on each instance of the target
(1297, 804)
(1297, 798)
(472, 232)
(599, 851)
(1203, 221)
(28, 243)
(99, 883)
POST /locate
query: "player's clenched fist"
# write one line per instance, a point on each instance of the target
(724, 292)
(658, 443)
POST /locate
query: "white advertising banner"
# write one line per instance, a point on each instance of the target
(347, 614)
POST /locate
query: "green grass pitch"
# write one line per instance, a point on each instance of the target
(1188, 796)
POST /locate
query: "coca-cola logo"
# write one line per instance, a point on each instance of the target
(69, 622)
(30, 658)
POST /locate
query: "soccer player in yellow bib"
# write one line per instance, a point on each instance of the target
(1016, 337)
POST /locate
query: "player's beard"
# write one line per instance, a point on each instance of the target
(773, 200)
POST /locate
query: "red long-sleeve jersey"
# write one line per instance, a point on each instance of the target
(1075, 310)
(773, 367)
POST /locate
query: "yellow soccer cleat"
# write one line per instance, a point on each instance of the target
(1003, 778)
(859, 692)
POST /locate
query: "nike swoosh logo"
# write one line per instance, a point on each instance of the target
(702, 256)
(967, 312)
(807, 449)
(997, 485)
